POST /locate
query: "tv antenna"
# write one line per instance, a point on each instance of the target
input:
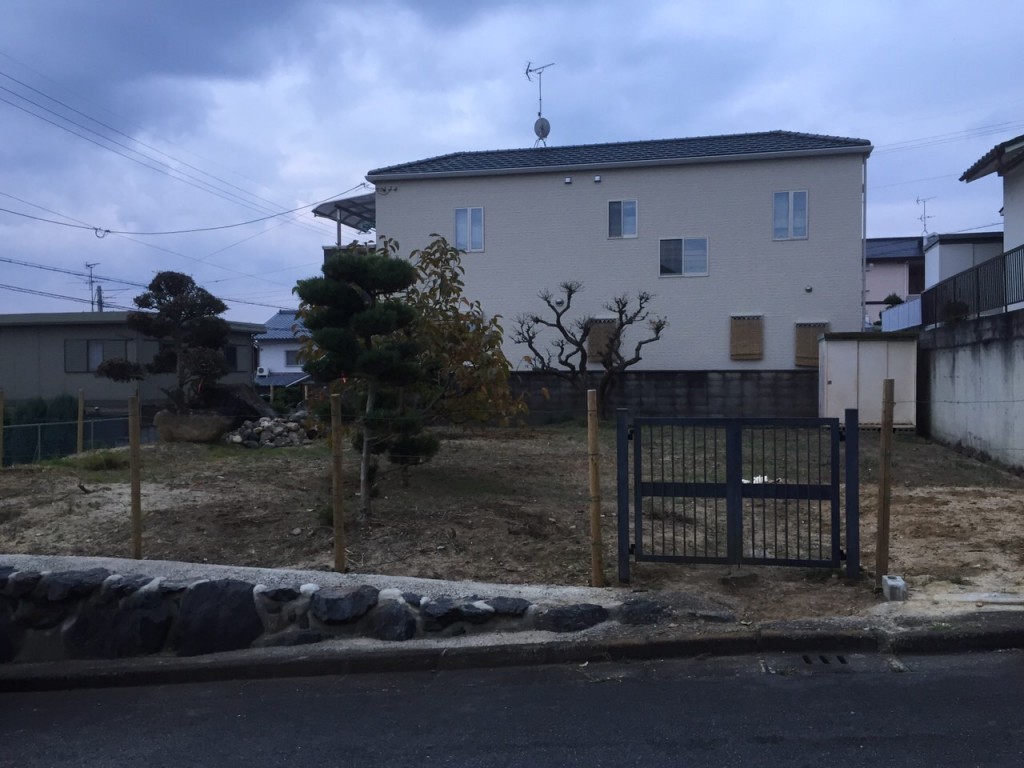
(541, 127)
(923, 218)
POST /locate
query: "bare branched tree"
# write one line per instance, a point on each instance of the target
(567, 355)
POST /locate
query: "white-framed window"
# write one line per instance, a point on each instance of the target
(789, 215)
(622, 218)
(683, 257)
(469, 229)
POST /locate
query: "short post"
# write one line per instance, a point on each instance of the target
(594, 452)
(336, 492)
(81, 422)
(884, 483)
(1, 429)
(852, 495)
(134, 462)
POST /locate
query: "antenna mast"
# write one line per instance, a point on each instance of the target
(923, 218)
(541, 127)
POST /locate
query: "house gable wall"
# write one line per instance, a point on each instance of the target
(540, 232)
(1013, 208)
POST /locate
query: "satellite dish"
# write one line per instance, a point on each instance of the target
(542, 128)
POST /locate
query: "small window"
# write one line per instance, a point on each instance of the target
(622, 218)
(807, 343)
(231, 357)
(86, 355)
(746, 337)
(599, 338)
(291, 358)
(789, 217)
(469, 229)
(685, 256)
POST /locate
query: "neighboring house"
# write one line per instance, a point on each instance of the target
(278, 351)
(1007, 160)
(949, 255)
(46, 355)
(751, 244)
(972, 340)
(894, 266)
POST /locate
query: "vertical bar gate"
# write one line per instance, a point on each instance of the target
(752, 490)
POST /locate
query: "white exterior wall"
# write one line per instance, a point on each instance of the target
(881, 279)
(1013, 209)
(944, 260)
(272, 356)
(540, 232)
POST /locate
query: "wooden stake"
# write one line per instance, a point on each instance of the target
(135, 462)
(81, 422)
(336, 497)
(884, 483)
(594, 451)
(1, 429)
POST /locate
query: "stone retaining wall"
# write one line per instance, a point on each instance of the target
(97, 614)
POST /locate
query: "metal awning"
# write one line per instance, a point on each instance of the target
(358, 212)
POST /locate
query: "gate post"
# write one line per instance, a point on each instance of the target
(622, 490)
(852, 495)
(734, 491)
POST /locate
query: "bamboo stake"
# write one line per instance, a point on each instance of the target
(884, 483)
(594, 451)
(81, 422)
(336, 496)
(1, 429)
(135, 460)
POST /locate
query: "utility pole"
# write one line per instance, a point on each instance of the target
(92, 296)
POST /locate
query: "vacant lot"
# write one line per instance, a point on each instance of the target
(499, 505)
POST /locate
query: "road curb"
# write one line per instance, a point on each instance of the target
(907, 635)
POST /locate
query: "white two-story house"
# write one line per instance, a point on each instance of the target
(742, 239)
(278, 351)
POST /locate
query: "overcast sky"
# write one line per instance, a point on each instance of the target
(137, 116)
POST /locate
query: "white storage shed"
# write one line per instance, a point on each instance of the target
(852, 367)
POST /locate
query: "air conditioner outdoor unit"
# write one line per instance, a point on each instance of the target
(261, 371)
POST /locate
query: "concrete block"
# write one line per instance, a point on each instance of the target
(894, 588)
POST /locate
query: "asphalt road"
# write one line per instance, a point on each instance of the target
(759, 711)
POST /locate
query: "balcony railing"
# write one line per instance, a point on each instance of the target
(994, 286)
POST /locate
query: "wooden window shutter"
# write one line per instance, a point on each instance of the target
(600, 335)
(807, 343)
(746, 337)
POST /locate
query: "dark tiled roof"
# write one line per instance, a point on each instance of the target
(663, 151)
(1001, 158)
(896, 248)
(279, 327)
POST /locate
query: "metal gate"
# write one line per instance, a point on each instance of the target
(745, 490)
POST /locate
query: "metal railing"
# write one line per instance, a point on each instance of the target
(27, 443)
(993, 286)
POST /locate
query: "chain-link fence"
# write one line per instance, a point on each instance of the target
(26, 443)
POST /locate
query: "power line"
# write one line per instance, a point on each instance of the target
(123, 282)
(103, 232)
(160, 167)
(132, 138)
(32, 291)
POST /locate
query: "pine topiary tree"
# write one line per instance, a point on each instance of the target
(362, 328)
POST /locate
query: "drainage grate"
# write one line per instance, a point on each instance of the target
(818, 663)
(823, 659)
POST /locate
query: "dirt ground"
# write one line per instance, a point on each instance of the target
(505, 506)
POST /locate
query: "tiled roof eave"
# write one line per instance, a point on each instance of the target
(864, 150)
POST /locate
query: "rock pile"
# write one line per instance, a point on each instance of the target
(53, 616)
(273, 433)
